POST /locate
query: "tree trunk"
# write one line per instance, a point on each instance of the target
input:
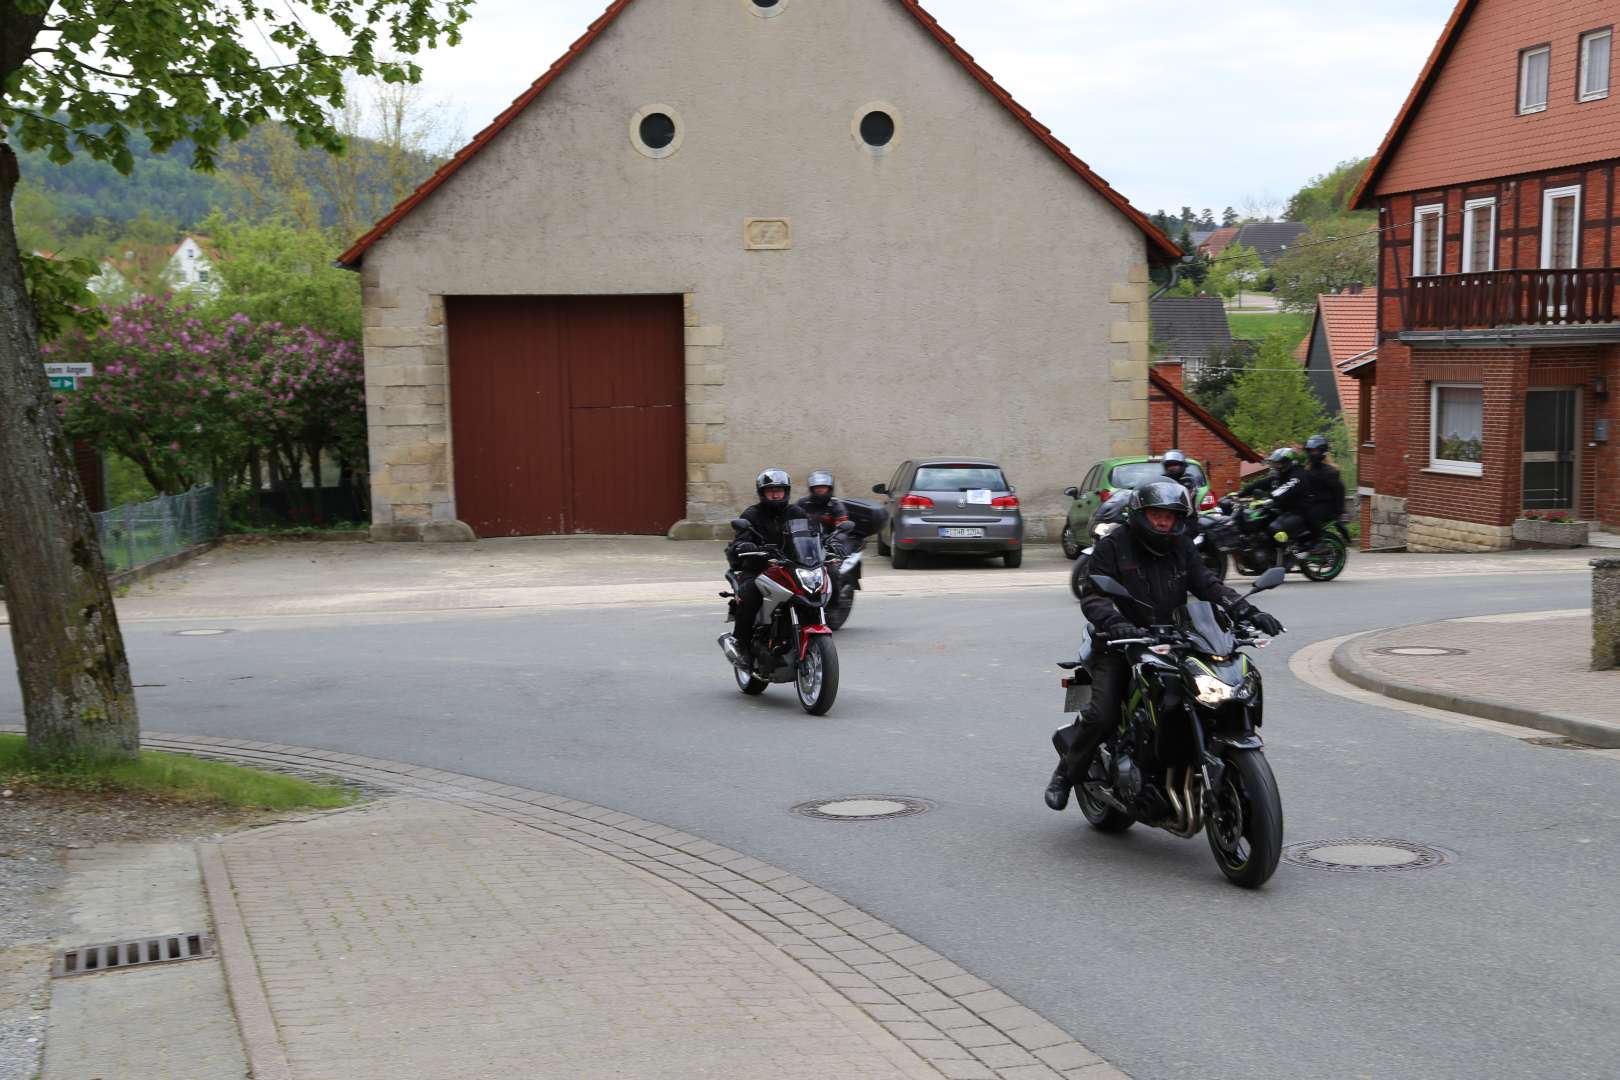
(76, 691)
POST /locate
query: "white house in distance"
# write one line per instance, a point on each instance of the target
(185, 268)
(723, 236)
(189, 268)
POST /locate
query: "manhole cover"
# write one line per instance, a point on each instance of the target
(1420, 650)
(1364, 855)
(200, 633)
(861, 807)
(117, 955)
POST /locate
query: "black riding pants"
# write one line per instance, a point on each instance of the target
(749, 601)
(1077, 744)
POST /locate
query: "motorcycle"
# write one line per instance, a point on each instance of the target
(1110, 516)
(843, 566)
(1187, 755)
(1241, 528)
(790, 642)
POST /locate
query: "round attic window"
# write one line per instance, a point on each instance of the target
(656, 131)
(877, 127)
(766, 9)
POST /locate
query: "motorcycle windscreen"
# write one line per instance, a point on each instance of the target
(1203, 628)
(802, 543)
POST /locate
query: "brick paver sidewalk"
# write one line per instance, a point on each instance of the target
(418, 938)
(1532, 669)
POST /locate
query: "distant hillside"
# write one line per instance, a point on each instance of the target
(85, 191)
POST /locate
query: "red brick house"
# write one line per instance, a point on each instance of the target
(1177, 422)
(1496, 384)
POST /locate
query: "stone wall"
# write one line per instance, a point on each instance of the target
(1434, 534)
(1387, 523)
(1605, 614)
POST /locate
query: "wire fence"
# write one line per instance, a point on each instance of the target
(135, 534)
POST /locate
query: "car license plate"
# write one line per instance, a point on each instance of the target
(962, 534)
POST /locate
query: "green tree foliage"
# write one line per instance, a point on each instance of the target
(1328, 195)
(61, 300)
(1229, 217)
(1238, 268)
(276, 272)
(1213, 386)
(1274, 403)
(1334, 253)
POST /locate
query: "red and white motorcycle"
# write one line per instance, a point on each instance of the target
(790, 642)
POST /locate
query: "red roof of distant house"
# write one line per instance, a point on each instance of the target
(1203, 416)
(1166, 248)
(1350, 321)
(1218, 240)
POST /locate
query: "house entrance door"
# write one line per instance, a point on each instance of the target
(1550, 424)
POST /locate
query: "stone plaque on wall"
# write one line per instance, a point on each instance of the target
(767, 234)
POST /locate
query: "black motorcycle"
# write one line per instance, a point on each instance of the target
(1241, 528)
(1111, 515)
(1187, 755)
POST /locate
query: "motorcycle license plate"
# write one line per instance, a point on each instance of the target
(962, 534)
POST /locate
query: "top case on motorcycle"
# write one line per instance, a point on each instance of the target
(867, 516)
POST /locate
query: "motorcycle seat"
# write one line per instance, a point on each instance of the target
(1068, 665)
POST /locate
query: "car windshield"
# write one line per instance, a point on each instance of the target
(1132, 473)
(1204, 630)
(959, 478)
(802, 542)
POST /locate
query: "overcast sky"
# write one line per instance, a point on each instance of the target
(1173, 102)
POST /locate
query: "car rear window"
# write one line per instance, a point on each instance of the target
(1133, 473)
(959, 478)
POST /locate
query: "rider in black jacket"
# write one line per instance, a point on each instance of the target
(1154, 560)
(1324, 485)
(1290, 496)
(768, 520)
(821, 506)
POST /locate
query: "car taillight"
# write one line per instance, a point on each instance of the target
(1005, 502)
(1208, 503)
(916, 502)
(1104, 494)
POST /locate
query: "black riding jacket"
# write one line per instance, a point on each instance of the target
(770, 527)
(1290, 493)
(1325, 488)
(827, 515)
(1160, 582)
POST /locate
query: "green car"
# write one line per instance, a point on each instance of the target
(1109, 476)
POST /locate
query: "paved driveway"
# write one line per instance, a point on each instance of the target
(557, 674)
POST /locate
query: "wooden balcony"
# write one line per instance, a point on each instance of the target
(1514, 298)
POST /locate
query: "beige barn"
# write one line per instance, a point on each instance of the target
(722, 235)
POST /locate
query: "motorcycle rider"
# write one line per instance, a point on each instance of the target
(1175, 467)
(821, 505)
(768, 519)
(1324, 485)
(1290, 496)
(1153, 558)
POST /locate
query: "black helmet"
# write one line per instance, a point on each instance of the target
(821, 478)
(1176, 458)
(1159, 495)
(773, 478)
(1316, 447)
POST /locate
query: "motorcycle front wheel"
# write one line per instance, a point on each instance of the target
(817, 681)
(838, 611)
(1245, 833)
(1077, 576)
(1325, 560)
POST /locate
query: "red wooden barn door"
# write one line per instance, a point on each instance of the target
(568, 413)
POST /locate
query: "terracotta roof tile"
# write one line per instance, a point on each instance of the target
(1162, 246)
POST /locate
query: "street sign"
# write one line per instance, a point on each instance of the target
(64, 382)
(63, 371)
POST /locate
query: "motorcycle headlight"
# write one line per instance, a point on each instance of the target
(810, 579)
(1212, 691)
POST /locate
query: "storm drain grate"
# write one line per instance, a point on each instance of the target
(145, 952)
(1367, 855)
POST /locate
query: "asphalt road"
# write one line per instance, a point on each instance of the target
(1501, 965)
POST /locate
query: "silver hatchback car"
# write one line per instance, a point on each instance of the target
(951, 504)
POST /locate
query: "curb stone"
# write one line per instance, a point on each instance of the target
(960, 1024)
(1348, 666)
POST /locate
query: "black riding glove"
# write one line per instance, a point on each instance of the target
(1122, 631)
(1245, 612)
(744, 547)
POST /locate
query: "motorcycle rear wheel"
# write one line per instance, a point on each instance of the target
(1246, 836)
(1216, 561)
(1077, 576)
(817, 682)
(748, 684)
(1325, 560)
(1103, 818)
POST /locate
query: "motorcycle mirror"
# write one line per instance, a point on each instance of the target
(1269, 580)
(740, 524)
(1072, 492)
(1112, 587)
(880, 489)
(846, 527)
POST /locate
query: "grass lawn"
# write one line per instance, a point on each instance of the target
(168, 776)
(1258, 325)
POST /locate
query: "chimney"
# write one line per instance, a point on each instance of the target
(1355, 288)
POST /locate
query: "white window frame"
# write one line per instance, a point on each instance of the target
(1469, 207)
(1585, 69)
(1525, 109)
(1445, 465)
(1548, 197)
(1419, 234)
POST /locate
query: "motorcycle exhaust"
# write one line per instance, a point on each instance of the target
(728, 645)
(1189, 815)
